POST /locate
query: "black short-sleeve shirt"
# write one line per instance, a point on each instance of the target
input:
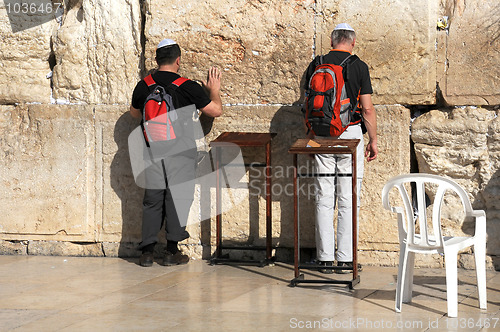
(187, 94)
(358, 80)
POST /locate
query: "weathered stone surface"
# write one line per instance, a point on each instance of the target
(13, 247)
(262, 47)
(468, 262)
(120, 201)
(454, 143)
(195, 251)
(492, 173)
(98, 52)
(378, 227)
(391, 258)
(470, 54)
(121, 216)
(54, 248)
(48, 172)
(397, 44)
(462, 144)
(246, 223)
(120, 249)
(24, 60)
(67, 174)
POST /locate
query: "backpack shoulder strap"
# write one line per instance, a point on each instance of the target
(346, 63)
(318, 60)
(149, 80)
(349, 60)
(178, 82)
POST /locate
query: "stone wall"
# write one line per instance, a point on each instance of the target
(65, 87)
(472, 160)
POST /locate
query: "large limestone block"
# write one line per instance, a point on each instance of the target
(97, 51)
(391, 258)
(120, 201)
(462, 144)
(63, 248)
(397, 39)
(13, 247)
(453, 143)
(24, 59)
(246, 221)
(47, 173)
(262, 47)
(377, 226)
(468, 68)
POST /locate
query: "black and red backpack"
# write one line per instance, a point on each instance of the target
(328, 109)
(159, 116)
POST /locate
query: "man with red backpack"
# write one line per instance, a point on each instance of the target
(342, 115)
(166, 102)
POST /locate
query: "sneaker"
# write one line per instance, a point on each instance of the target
(174, 259)
(326, 271)
(347, 264)
(146, 259)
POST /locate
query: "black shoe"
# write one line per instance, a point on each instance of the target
(326, 271)
(174, 259)
(348, 265)
(146, 259)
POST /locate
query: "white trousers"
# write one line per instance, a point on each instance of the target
(337, 190)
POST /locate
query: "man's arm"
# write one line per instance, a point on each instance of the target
(370, 121)
(214, 108)
(135, 112)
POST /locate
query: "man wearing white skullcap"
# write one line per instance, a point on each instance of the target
(168, 197)
(337, 190)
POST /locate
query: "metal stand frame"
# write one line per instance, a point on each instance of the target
(243, 139)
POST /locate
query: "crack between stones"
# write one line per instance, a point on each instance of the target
(142, 64)
(315, 27)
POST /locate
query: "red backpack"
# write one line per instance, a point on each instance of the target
(328, 109)
(158, 114)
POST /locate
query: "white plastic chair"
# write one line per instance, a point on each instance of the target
(424, 240)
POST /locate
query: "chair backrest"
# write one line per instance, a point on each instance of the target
(416, 209)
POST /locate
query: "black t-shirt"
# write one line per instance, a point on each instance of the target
(187, 94)
(358, 80)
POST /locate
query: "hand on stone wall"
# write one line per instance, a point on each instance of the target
(213, 82)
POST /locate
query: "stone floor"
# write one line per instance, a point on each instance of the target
(112, 294)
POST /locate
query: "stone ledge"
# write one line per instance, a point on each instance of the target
(198, 251)
(13, 247)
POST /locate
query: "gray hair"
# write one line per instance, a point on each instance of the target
(342, 36)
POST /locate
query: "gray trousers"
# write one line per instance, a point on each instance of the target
(168, 197)
(337, 191)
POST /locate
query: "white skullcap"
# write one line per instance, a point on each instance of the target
(343, 26)
(166, 42)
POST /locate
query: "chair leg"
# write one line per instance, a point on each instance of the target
(480, 258)
(408, 286)
(402, 270)
(451, 282)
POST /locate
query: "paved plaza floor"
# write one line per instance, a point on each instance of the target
(112, 294)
